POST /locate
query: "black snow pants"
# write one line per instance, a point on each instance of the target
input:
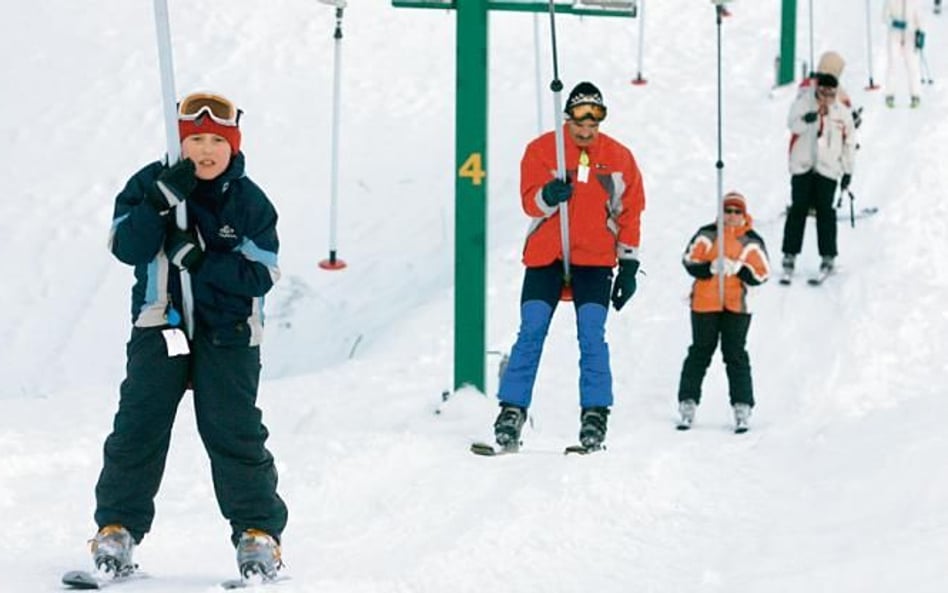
(705, 330)
(811, 190)
(224, 380)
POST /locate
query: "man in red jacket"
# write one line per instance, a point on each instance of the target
(604, 198)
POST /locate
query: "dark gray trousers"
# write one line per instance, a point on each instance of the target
(224, 380)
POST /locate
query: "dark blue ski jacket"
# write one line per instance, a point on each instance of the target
(235, 223)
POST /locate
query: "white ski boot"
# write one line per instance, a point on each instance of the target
(258, 555)
(112, 550)
(742, 413)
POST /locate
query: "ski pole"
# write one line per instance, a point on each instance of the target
(166, 65)
(333, 263)
(925, 68)
(556, 86)
(872, 85)
(719, 165)
(852, 211)
(638, 80)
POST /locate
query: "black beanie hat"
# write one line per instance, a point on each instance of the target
(584, 93)
(827, 80)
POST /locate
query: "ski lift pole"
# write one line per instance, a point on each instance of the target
(638, 80)
(169, 104)
(556, 86)
(812, 63)
(333, 262)
(537, 71)
(719, 165)
(872, 85)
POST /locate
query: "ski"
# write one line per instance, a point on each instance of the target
(249, 583)
(786, 278)
(683, 424)
(741, 427)
(582, 449)
(84, 579)
(865, 212)
(819, 278)
(488, 450)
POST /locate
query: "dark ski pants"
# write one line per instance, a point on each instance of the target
(539, 297)
(224, 380)
(811, 190)
(706, 328)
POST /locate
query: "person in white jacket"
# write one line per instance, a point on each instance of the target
(903, 21)
(822, 150)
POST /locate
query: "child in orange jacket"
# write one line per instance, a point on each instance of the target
(744, 265)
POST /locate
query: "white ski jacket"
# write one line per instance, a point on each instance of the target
(828, 145)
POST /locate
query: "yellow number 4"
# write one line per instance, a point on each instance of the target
(473, 168)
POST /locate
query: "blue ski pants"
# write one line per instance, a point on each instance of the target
(591, 286)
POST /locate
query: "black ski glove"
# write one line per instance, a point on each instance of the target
(845, 181)
(183, 250)
(173, 186)
(556, 191)
(624, 286)
(857, 118)
(810, 117)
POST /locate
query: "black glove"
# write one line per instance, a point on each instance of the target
(624, 286)
(556, 191)
(183, 250)
(810, 117)
(173, 186)
(857, 117)
(845, 181)
(919, 39)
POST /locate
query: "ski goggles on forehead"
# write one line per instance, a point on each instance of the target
(219, 109)
(587, 111)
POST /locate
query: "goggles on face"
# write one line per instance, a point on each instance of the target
(732, 210)
(219, 109)
(587, 111)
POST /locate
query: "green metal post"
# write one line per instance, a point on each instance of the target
(470, 213)
(788, 41)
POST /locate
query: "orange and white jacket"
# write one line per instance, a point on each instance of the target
(742, 245)
(604, 211)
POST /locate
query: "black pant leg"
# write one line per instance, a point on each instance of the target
(134, 453)
(801, 187)
(734, 328)
(824, 190)
(225, 380)
(705, 328)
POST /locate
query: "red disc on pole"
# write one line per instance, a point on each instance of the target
(332, 263)
(639, 81)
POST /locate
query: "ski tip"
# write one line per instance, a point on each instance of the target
(582, 449)
(484, 449)
(683, 427)
(80, 580)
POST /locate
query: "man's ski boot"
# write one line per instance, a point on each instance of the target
(916, 101)
(890, 100)
(592, 431)
(112, 550)
(508, 425)
(742, 414)
(258, 555)
(686, 409)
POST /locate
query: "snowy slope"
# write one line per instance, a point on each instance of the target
(838, 487)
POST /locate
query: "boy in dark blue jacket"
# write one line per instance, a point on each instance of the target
(229, 252)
